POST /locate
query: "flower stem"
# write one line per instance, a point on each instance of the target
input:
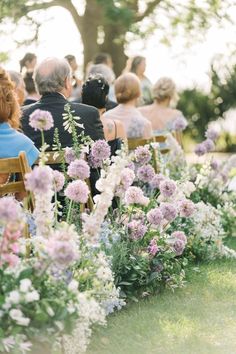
(69, 212)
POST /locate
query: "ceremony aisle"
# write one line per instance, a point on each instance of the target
(198, 319)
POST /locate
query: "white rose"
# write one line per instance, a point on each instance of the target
(14, 297)
(25, 285)
(32, 296)
(73, 285)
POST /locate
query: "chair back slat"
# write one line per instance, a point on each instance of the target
(10, 165)
(133, 143)
(12, 187)
(160, 138)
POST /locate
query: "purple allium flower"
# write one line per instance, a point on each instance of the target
(100, 150)
(40, 180)
(41, 120)
(211, 134)
(186, 208)
(167, 188)
(209, 145)
(69, 155)
(142, 155)
(153, 248)
(10, 209)
(131, 166)
(179, 124)
(134, 195)
(127, 177)
(200, 149)
(137, 229)
(61, 252)
(179, 235)
(77, 191)
(79, 169)
(178, 247)
(154, 216)
(58, 180)
(169, 212)
(215, 165)
(145, 173)
(157, 179)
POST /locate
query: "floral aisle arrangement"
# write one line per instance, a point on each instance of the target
(57, 292)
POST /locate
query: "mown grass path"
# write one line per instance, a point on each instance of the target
(198, 319)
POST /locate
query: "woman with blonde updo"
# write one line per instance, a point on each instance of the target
(160, 113)
(12, 142)
(128, 90)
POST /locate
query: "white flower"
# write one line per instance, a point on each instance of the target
(104, 273)
(32, 296)
(8, 343)
(18, 316)
(25, 346)
(50, 311)
(14, 297)
(25, 285)
(73, 285)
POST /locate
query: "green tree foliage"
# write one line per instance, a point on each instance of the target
(111, 20)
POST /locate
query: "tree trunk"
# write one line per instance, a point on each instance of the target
(114, 44)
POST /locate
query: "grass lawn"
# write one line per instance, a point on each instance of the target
(198, 319)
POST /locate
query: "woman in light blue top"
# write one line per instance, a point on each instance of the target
(12, 142)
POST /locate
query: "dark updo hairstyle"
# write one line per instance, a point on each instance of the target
(95, 91)
(27, 58)
(29, 83)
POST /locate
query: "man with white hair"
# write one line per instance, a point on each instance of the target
(53, 82)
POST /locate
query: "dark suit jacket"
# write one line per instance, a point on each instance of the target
(54, 103)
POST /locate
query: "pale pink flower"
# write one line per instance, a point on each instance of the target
(41, 120)
(77, 191)
(142, 155)
(167, 188)
(58, 180)
(40, 180)
(145, 173)
(79, 169)
(155, 217)
(134, 195)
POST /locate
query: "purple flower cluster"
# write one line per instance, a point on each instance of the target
(167, 188)
(214, 165)
(41, 120)
(10, 210)
(178, 242)
(145, 173)
(69, 155)
(179, 235)
(79, 169)
(127, 177)
(153, 248)
(169, 212)
(58, 180)
(211, 134)
(186, 208)
(61, 252)
(209, 145)
(142, 155)
(100, 151)
(179, 124)
(39, 180)
(156, 180)
(155, 217)
(200, 149)
(137, 229)
(77, 191)
(134, 195)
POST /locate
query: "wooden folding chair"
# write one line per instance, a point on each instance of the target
(11, 166)
(56, 158)
(161, 138)
(179, 137)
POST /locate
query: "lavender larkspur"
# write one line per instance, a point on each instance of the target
(41, 120)
(10, 210)
(179, 124)
(58, 180)
(79, 169)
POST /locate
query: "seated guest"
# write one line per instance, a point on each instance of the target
(53, 82)
(94, 93)
(77, 82)
(12, 142)
(127, 90)
(28, 63)
(32, 95)
(160, 114)
(109, 75)
(19, 86)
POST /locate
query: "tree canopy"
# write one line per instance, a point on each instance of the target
(104, 24)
